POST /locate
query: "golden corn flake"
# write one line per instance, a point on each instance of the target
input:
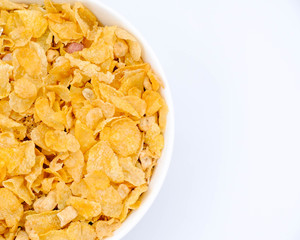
(8, 5)
(18, 104)
(85, 136)
(5, 109)
(41, 223)
(33, 20)
(51, 118)
(65, 31)
(60, 141)
(111, 202)
(45, 203)
(81, 123)
(19, 159)
(17, 186)
(62, 91)
(2, 171)
(106, 228)
(81, 230)
(132, 199)
(63, 192)
(85, 208)
(153, 100)
(11, 209)
(55, 234)
(5, 72)
(57, 163)
(125, 137)
(74, 165)
(30, 60)
(38, 136)
(22, 235)
(102, 157)
(132, 174)
(36, 171)
(20, 36)
(79, 189)
(24, 88)
(67, 215)
(47, 183)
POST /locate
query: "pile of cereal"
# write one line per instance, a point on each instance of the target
(81, 123)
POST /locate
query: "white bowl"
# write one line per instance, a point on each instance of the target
(110, 17)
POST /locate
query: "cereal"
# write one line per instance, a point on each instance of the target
(124, 137)
(22, 235)
(55, 234)
(120, 48)
(17, 186)
(85, 208)
(45, 203)
(97, 180)
(146, 159)
(81, 230)
(11, 209)
(111, 202)
(67, 215)
(81, 123)
(132, 174)
(40, 223)
(85, 136)
(63, 193)
(33, 20)
(5, 73)
(24, 88)
(52, 55)
(123, 190)
(60, 141)
(102, 157)
(106, 228)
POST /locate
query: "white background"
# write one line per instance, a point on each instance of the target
(234, 71)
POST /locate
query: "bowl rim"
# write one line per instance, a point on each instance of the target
(163, 164)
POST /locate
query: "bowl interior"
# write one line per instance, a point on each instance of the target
(109, 17)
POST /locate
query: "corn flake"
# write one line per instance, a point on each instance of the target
(66, 31)
(30, 60)
(63, 193)
(67, 215)
(102, 157)
(60, 141)
(41, 223)
(55, 234)
(74, 165)
(17, 186)
(51, 118)
(132, 174)
(33, 20)
(85, 136)
(106, 228)
(125, 137)
(81, 230)
(11, 209)
(111, 202)
(24, 88)
(85, 208)
(8, 5)
(5, 72)
(45, 203)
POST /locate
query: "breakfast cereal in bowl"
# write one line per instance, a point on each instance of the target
(82, 123)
